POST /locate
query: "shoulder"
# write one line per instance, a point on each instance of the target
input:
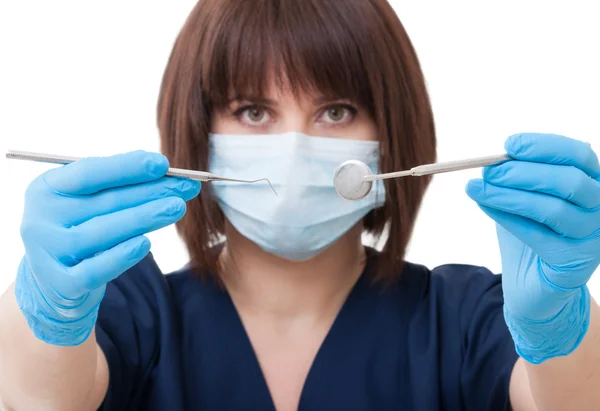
(144, 301)
(135, 291)
(457, 324)
(451, 282)
(459, 281)
(459, 294)
(145, 284)
(139, 329)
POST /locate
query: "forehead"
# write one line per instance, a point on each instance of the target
(284, 91)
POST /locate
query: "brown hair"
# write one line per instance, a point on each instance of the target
(353, 49)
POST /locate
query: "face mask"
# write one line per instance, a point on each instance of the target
(307, 215)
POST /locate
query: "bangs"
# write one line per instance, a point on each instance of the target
(300, 45)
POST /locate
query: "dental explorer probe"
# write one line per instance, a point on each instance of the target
(353, 179)
(173, 172)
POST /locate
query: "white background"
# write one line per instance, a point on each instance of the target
(81, 78)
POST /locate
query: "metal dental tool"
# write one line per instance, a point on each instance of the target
(173, 172)
(353, 179)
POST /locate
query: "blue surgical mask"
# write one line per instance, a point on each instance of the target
(307, 215)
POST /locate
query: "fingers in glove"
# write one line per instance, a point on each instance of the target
(94, 174)
(566, 182)
(81, 209)
(98, 270)
(553, 149)
(547, 246)
(564, 218)
(104, 232)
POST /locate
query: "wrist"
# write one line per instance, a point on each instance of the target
(54, 323)
(539, 340)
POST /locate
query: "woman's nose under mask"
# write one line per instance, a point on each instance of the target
(307, 215)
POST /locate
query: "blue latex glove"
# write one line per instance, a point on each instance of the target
(82, 226)
(546, 205)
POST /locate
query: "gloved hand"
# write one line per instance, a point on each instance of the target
(546, 204)
(82, 226)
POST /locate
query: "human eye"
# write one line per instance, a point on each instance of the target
(252, 115)
(337, 114)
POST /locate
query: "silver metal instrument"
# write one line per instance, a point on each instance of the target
(353, 179)
(173, 172)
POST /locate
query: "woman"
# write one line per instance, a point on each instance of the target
(281, 306)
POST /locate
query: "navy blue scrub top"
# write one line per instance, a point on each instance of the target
(436, 340)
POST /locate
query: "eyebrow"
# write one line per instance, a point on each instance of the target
(265, 101)
(257, 100)
(327, 99)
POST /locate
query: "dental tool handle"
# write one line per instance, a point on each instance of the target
(61, 159)
(192, 174)
(458, 165)
(444, 167)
